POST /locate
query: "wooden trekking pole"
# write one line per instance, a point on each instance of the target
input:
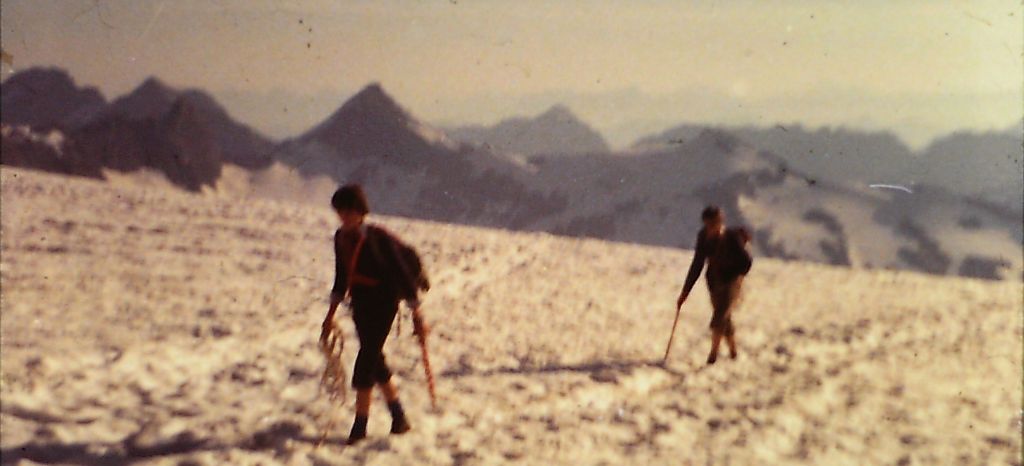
(421, 335)
(672, 335)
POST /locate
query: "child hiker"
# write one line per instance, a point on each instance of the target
(725, 251)
(375, 270)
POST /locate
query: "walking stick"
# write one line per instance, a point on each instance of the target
(421, 335)
(672, 335)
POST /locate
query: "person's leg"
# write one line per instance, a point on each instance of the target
(358, 432)
(716, 339)
(399, 423)
(728, 331)
(390, 391)
(730, 303)
(387, 311)
(717, 322)
(362, 381)
(364, 373)
(382, 375)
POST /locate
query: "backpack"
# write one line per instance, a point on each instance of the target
(736, 257)
(412, 266)
(407, 274)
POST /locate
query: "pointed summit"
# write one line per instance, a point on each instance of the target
(373, 96)
(410, 168)
(151, 99)
(371, 125)
(369, 111)
(154, 87)
(559, 113)
(557, 131)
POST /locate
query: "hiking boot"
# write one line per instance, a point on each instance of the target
(355, 438)
(358, 431)
(400, 426)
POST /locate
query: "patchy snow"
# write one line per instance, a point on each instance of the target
(149, 326)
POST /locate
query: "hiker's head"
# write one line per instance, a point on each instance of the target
(712, 217)
(349, 202)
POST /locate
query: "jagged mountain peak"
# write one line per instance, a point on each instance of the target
(370, 102)
(558, 112)
(41, 76)
(46, 98)
(150, 99)
(154, 86)
(556, 131)
(373, 92)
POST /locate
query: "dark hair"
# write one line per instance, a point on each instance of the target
(350, 197)
(711, 212)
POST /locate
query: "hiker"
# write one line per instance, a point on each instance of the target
(725, 251)
(375, 270)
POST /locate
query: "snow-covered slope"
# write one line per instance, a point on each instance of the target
(656, 198)
(149, 326)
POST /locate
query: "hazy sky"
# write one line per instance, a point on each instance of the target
(919, 68)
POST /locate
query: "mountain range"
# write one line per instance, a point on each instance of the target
(412, 169)
(806, 195)
(184, 134)
(988, 165)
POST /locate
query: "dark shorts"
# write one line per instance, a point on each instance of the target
(724, 297)
(373, 314)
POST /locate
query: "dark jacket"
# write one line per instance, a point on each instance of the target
(727, 258)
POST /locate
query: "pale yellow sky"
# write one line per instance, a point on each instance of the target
(952, 64)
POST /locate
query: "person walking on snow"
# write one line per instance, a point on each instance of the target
(375, 270)
(728, 260)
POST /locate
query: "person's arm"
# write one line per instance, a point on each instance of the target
(699, 256)
(325, 328)
(419, 326)
(339, 289)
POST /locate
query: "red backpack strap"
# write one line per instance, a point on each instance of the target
(354, 260)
